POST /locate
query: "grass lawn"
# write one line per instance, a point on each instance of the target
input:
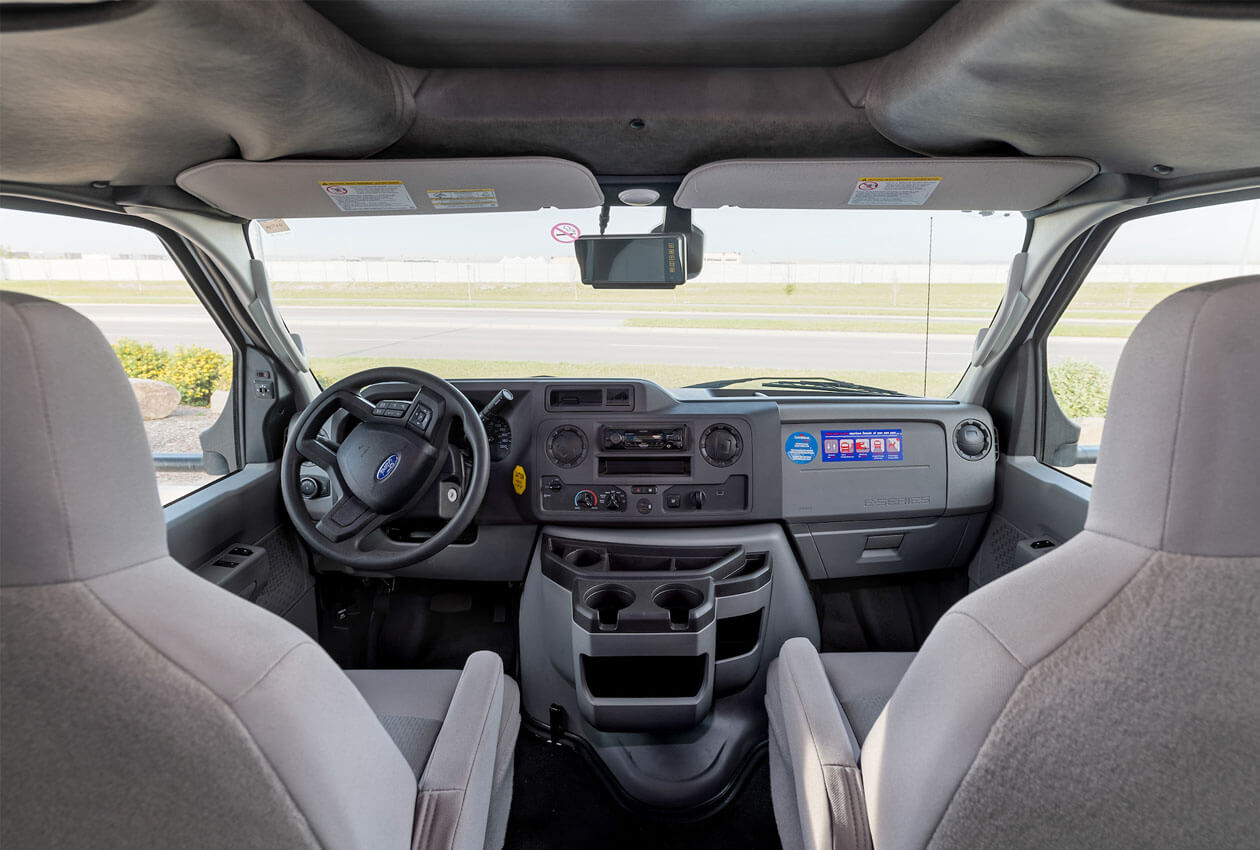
(887, 308)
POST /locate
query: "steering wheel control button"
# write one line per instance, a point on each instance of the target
(391, 409)
(566, 447)
(420, 417)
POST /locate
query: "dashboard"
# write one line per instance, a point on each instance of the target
(863, 486)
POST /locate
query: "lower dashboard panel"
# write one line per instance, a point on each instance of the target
(879, 547)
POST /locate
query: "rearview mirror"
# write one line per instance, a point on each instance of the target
(651, 261)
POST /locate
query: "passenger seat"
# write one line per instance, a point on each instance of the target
(1108, 694)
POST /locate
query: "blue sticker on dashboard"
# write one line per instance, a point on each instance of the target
(801, 447)
(862, 445)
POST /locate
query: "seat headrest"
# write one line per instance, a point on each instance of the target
(78, 496)
(1179, 464)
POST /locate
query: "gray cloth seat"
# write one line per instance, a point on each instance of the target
(1107, 694)
(141, 706)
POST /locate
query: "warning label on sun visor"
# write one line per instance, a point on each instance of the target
(893, 191)
(463, 199)
(354, 196)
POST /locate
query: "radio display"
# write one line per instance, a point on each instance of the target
(863, 445)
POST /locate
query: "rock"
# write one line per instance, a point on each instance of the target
(218, 401)
(157, 399)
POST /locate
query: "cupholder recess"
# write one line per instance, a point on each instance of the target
(584, 558)
(678, 600)
(608, 600)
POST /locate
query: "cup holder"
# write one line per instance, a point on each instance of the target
(585, 558)
(678, 600)
(608, 600)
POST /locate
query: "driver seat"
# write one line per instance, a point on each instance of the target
(145, 707)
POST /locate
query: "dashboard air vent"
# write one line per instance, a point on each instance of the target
(590, 398)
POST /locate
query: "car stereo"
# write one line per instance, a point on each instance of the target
(670, 439)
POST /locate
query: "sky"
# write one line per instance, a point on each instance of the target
(1228, 233)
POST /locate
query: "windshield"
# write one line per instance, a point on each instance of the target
(784, 297)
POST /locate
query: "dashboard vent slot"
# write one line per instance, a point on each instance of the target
(619, 396)
(567, 397)
(590, 398)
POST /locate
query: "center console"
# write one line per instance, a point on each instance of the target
(652, 648)
(657, 631)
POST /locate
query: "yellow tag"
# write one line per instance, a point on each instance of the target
(518, 480)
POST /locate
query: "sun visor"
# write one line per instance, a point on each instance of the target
(934, 184)
(327, 188)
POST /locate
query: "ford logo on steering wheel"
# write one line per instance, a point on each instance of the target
(387, 467)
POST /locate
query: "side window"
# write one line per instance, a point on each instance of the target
(179, 362)
(1146, 260)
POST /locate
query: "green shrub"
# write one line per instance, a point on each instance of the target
(196, 372)
(141, 360)
(1080, 387)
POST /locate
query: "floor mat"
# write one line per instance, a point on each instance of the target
(559, 802)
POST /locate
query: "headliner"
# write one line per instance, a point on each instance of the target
(132, 93)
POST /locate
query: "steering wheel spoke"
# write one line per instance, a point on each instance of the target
(354, 404)
(318, 452)
(348, 518)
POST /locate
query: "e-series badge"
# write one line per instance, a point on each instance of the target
(861, 445)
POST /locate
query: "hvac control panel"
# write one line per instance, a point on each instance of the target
(669, 468)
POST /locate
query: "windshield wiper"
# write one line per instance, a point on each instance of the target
(818, 385)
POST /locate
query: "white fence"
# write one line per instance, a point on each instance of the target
(565, 271)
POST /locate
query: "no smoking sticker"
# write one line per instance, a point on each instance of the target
(356, 196)
(565, 232)
(893, 191)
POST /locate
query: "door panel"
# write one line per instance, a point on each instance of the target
(244, 511)
(1034, 503)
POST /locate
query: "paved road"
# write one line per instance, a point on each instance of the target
(570, 336)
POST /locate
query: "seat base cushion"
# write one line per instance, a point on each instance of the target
(863, 682)
(820, 709)
(412, 705)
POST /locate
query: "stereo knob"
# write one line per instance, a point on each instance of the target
(566, 446)
(721, 445)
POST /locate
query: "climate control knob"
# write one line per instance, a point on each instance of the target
(615, 500)
(586, 500)
(720, 444)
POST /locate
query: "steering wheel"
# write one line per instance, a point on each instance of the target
(390, 459)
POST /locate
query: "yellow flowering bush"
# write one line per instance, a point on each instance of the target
(193, 370)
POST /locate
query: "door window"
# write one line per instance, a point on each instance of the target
(179, 362)
(1146, 260)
